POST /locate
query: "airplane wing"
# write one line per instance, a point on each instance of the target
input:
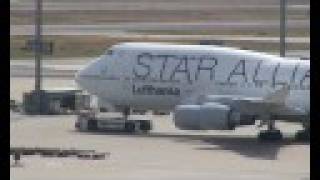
(279, 96)
(222, 112)
(273, 104)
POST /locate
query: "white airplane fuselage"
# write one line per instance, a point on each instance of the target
(161, 76)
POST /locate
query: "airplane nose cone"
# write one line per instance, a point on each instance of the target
(85, 77)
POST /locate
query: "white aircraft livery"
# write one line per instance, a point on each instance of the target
(207, 87)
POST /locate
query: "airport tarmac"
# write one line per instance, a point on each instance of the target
(166, 153)
(155, 5)
(122, 28)
(253, 23)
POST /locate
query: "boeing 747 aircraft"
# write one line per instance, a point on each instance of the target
(206, 87)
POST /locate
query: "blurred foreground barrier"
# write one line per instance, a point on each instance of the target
(57, 152)
(93, 156)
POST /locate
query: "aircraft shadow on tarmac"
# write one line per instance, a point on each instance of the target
(248, 146)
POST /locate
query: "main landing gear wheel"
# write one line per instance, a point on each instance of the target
(272, 134)
(303, 135)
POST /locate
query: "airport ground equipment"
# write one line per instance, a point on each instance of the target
(57, 101)
(88, 121)
(15, 106)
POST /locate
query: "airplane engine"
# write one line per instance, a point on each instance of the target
(208, 116)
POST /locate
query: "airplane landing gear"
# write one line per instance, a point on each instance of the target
(271, 134)
(303, 135)
(126, 112)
